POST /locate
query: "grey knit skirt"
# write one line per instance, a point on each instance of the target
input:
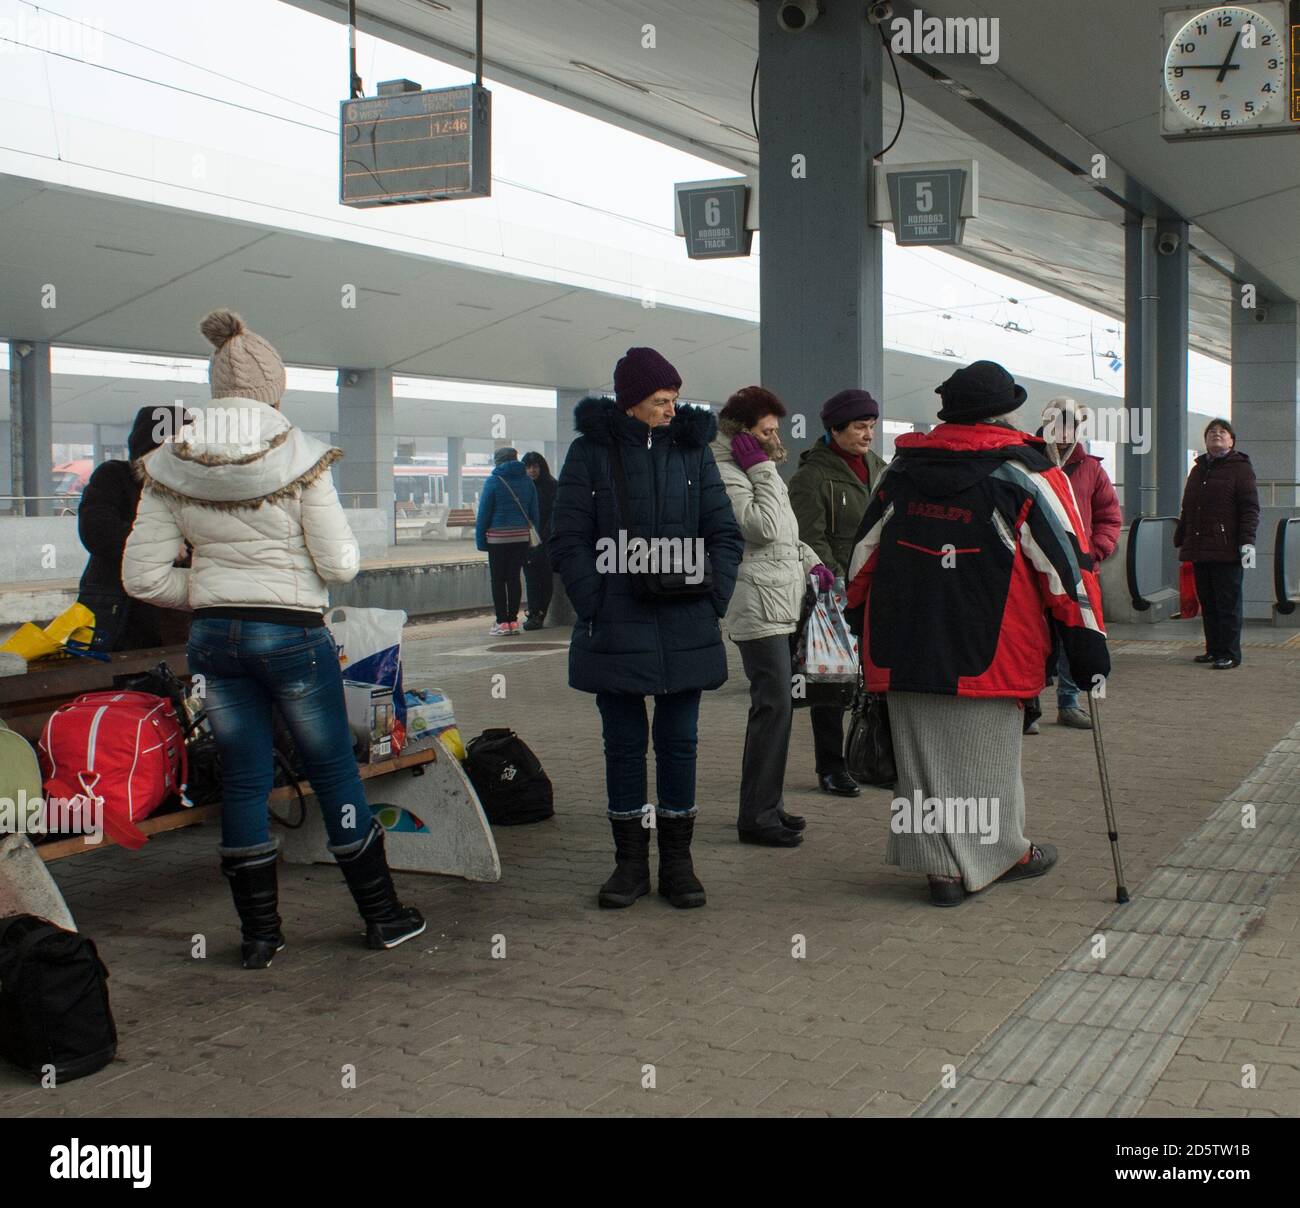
(960, 804)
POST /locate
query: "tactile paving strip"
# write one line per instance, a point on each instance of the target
(1095, 1037)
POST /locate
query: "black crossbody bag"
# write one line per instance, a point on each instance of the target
(657, 586)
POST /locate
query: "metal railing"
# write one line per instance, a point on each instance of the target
(61, 505)
(1286, 565)
(1151, 565)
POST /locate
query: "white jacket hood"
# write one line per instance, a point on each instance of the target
(237, 453)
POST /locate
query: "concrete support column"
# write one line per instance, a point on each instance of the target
(1266, 415)
(1171, 368)
(820, 271)
(455, 463)
(1140, 319)
(549, 449)
(365, 475)
(31, 420)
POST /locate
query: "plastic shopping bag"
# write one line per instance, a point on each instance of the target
(369, 643)
(827, 652)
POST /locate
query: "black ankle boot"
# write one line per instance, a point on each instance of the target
(534, 620)
(254, 888)
(677, 880)
(388, 922)
(631, 876)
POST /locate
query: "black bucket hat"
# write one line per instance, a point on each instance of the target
(979, 391)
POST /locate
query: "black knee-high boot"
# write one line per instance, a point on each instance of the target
(253, 884)
(388, 922)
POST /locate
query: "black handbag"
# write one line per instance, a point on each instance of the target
(657, 586)
(869, 751)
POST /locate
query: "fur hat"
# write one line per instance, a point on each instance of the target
(244, 365)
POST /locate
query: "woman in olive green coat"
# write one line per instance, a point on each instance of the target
(829, 493)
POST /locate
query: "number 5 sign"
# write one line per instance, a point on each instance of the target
(927, 205)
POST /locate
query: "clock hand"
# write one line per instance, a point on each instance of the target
(1223, 71)
(1210, 67)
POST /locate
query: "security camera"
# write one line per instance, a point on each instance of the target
(794, 16)
(1261, 314)
(880, 12)
(1168, 243)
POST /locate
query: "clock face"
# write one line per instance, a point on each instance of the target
(1216, 77)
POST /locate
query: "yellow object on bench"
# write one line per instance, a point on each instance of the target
(76, 624)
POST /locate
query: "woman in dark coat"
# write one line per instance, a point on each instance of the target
(1219, 516)
(104, 520)
(537, 569)
(626, 647)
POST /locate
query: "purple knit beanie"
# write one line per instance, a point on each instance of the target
(848, 405)
(640, 373)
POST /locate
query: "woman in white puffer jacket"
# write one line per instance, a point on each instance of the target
(764, 610)
(254, 497)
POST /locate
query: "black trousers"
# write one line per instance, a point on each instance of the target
(1219, 586)
(767, 734)
(538, 577)
(828, 738)
(504, 565)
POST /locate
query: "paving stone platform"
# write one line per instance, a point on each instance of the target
(652, 1011)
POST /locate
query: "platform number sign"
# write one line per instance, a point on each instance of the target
(1228, 70)
(714, 221)
(927, 206)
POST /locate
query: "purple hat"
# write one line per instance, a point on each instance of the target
(848, 405)
(640, 373)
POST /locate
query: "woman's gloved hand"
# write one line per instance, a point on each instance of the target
(824, 575)
(747, 451)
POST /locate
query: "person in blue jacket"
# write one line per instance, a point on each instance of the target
(507, 516)
(626, 646)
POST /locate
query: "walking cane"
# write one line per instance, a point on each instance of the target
(1121, 893)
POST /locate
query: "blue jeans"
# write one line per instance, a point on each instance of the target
(247, 665)
(623, 717)
(1067, 691)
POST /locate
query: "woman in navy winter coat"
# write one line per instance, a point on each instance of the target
(626, 647)
(507, 513)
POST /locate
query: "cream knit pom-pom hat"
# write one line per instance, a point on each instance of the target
(244, 365)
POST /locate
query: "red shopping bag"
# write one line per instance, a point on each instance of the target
(1188, 604)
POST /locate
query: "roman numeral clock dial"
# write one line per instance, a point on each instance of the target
(1225, 68)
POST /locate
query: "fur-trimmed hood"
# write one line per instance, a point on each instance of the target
(239, 453)
(604, 421)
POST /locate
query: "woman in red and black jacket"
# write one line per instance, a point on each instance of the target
(971, 540)
(1216, 526)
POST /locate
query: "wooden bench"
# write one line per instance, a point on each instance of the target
(428, 783)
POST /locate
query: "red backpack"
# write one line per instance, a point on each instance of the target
(124, 750)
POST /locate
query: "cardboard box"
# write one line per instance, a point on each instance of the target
(370, 718)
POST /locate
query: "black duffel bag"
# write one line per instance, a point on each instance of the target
(54, 1012)
(508, 779)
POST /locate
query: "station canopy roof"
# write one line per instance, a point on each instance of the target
(1078, 80)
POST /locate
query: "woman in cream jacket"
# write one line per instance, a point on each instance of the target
(764, 611)
(253, 496)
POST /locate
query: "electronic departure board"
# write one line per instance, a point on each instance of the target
(408, 146)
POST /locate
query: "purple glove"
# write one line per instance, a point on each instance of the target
(746, 450)
(824, 575)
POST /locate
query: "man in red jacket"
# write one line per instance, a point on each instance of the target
(1064, 430)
